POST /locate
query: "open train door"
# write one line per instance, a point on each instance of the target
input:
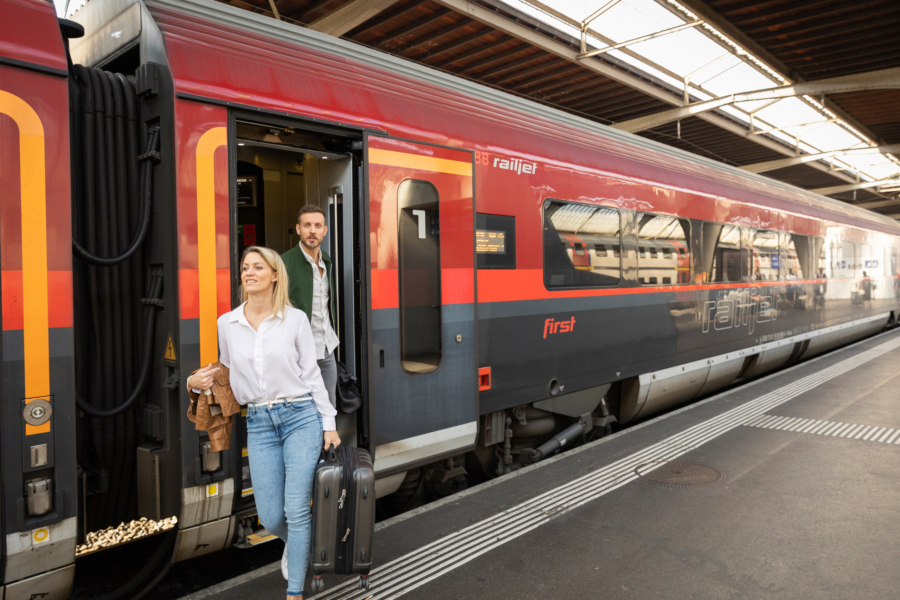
(422, 352)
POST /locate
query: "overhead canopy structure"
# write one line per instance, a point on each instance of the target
(804, 93)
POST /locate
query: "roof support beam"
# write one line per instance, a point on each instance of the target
(350, 16)
(432, 36)
(637, 40)
(413, 26)
(657, 91)
(839, 189)
(876, 80)
(772, 165)
(877, 203)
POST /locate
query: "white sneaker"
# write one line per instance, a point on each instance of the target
(284, 563)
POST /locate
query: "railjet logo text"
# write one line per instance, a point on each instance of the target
(551, 326)
(739, 309)
(514, 164)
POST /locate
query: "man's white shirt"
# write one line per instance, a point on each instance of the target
(320, 321)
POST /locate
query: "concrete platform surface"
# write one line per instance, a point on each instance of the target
(795, 493)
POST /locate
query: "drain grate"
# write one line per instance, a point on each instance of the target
(678, 473)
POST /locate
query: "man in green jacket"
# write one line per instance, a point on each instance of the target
(311, 281)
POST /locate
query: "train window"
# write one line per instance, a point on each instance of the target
(872, 259)
(794, 256)
(495, 241)
(569, 229)
(642, 252)
(418, 209)
(670, 234)
(893, 268)
(617, 251)
(600, 250)
(821, 257)
(721, 248)
(765, 258)
(847, 265)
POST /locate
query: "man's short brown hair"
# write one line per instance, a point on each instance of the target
(311, 208)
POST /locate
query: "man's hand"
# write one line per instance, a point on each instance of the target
(203, 379)
(331, 437)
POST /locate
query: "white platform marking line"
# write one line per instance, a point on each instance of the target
(800, 423)
(788, 424)
(768, 421)
(758, 421)
(837, 431)
(823, 426)
(814, 423)
(613, 477)
(777, 423)
(885, 435)
(873, 434)
(849, 433)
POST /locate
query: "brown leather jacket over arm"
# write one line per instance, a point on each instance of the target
(214, 413)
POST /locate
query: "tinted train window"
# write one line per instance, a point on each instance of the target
(495, 241)
(794, 256)
(668, 261)
(765, 258)
(572, 234)
(418, 209)
(820, 256)
(721, 247)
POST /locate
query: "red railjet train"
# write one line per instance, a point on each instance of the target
(511, 278)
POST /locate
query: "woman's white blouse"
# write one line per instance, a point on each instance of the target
(277, 361)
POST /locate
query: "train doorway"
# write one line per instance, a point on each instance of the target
(276, 170)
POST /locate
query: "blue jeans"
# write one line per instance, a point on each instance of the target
(284, 442)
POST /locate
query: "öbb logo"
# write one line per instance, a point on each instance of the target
(551, 326)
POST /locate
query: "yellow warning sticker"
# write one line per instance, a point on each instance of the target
(170, 349)
(41, 535)
(212, 490)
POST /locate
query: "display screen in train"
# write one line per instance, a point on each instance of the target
(490, 242)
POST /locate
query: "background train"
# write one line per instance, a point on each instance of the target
(511, 278)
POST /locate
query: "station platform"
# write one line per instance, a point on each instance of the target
(787, 487)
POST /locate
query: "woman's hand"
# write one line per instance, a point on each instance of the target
(203, 379)
(332, 437)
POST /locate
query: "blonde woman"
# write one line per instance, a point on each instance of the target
(269, 350)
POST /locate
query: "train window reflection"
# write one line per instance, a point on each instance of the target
(821, 258)
(792, 259)
(669, 256)
(420, 275)
(721, 248)
(765, 258)
(569, 230)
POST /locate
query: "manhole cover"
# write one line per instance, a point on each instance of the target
(678, 473)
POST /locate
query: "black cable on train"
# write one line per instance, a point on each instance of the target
(153, 303)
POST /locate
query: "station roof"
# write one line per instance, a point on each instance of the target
(816, 83)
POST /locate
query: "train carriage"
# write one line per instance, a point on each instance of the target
(509, 276)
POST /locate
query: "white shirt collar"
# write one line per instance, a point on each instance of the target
(309, 258)
(237, 315)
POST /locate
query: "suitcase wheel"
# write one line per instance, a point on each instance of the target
(363, 582)
(318, 584)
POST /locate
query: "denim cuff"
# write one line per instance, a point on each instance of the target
(290, 593)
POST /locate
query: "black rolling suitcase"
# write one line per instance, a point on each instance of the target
(343, 515)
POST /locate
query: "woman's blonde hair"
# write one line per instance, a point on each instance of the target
(280, 295)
